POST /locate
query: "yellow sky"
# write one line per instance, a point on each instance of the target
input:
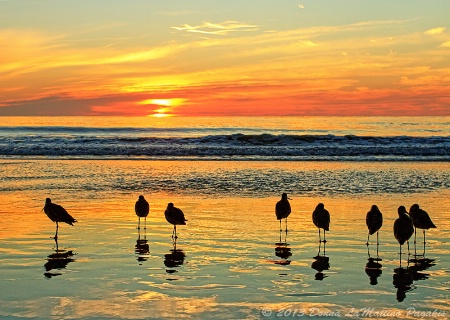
(215, 58)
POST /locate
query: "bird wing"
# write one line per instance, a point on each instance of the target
(142, 208)
(179, 215)
(282, 209)
(326, 215)
(62, 215)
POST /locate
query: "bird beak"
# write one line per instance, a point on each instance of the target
(289, 198)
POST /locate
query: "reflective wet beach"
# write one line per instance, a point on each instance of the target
(230, 260)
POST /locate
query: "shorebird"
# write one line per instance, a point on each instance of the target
(403, 228)
(374, 221)
(283, 209)
(174, 216)
(142, 208)
(421, 220)
(321, 218)
(56, 213)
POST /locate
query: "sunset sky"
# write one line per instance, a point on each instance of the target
(216, 57)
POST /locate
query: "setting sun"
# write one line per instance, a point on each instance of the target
(162, 112)
(166, 104)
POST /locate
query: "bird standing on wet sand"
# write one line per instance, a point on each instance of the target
(174, 216)
(283, 209)
(374, 221)
(403, 228)
(142, 208)
(321, 219)
(421, 220)
(56, 213)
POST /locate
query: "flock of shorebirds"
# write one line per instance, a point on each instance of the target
(174, 216)
(405, 225)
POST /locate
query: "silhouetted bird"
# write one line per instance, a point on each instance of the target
(56, 213)
(142, 208)
(403, 228)
(283, 209)
(374, 221)
(321, 218)
(174, 216)
(421, 220)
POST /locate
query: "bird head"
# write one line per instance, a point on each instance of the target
(48, 200)
(402, 211)
(374, 207)
(284, 196)
(414, 207)
(320, 206)
(141, 197)
(170, 205)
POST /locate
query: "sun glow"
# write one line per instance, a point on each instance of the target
(165, 104)
(172, 102)
(161, 112)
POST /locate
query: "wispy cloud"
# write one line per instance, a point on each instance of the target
(446, 44)
(435, 31)
(222, 28)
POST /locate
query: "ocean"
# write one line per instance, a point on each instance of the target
(232, 138)
(230, 261)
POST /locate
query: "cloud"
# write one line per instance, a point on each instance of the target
(435, 31)
(222, 28)
(446, 44)
(301, 6)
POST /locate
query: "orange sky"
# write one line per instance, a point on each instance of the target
(216, 58)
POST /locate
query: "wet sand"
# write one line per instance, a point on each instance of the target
(228, 262)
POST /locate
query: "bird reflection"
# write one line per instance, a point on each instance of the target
(283, 250)
(373, 266)
(373, 270)
(404, 277)
(174, 259)
(57, 261)
(420, 265)
(142, 249)
(321, 262)
(403, 281)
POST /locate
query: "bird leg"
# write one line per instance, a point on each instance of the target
(320, 239)
(139, 223)
(415, 249)
(280, 225)
(424, 242)
(174, 232)
(407, 242)
(56, 243)
(324, 238)
(145, 223)
(378, 244)
(56, 233)
(400, 256)
(286, 225)
(368, 235)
